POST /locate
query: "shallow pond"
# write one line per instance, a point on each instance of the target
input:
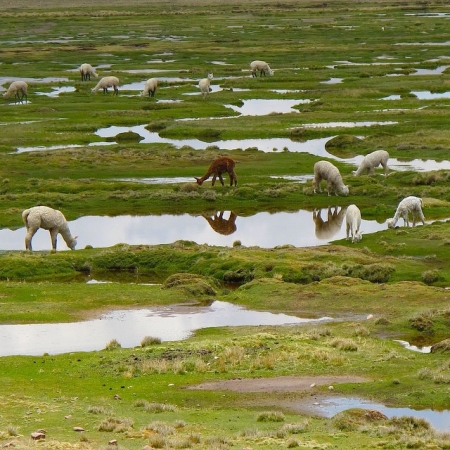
(129, 327)
(440, 420)
(301, 229)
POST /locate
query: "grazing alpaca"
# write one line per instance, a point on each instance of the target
(150, 87)
(221, 225)
(86, 70)
(373, 160)
(408, 205)
(217, 168)
(49, 219)
(325, 230)
(353, 223)
(19, 89)
(205, 85)
(324, 170)
(260, 66)
(107, 82)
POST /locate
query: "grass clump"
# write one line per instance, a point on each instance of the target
(270, 416)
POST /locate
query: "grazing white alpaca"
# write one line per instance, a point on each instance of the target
(19, 89)
(353, 222)
(260, 66)
(205, 85)
(408, 205)
(324, 170)
(150, 87)
(49, 219)
(373, 160)
(107, 82)
(86, 70)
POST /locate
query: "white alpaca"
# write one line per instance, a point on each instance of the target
(86, 70)
(150, 87)
(324, 170)
(19, 89)
(353, 223)
(408, 205)
(260, 66)
(49, 219)
(107, 82)
(205, 85)
(373, 160)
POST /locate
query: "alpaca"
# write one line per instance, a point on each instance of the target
(150, 87)
(86, 70)
(260, 66)
(205, 85)
(353, 222)
(20, 91)
(324, 170)
(217, 168)
(408, 205)
(49, 219)
(107, 82)
(373, 160)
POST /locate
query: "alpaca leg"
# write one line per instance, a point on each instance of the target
(221, 179)
(213, 182)
(30, 233)
(54, 235)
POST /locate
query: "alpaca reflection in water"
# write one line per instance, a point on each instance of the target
(325, 230)
(221, 225)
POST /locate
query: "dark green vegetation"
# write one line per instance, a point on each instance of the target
(399, 276)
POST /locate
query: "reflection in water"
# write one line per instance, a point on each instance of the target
(326, 230)
(56, 91)
(440, 420)
(261, 229)
(129, 327)
(221, 225)
(259, 107)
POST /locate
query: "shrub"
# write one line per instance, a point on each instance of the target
(430, 276)
(112, 345)
(150, 340)
(270, 416)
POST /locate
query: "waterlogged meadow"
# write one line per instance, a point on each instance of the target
(347, 79)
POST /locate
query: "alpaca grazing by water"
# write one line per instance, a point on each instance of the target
(221, 225)
(217, 168)
(49, 219)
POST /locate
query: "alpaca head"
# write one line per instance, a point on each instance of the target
(390, 223)
(344, 190)
(199, 181)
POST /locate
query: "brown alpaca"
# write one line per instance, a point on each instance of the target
(217, 168)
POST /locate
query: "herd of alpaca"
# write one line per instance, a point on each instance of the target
(20, 88)
(54, 221)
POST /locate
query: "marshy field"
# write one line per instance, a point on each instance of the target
(224, 317)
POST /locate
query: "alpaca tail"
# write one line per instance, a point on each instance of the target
(25, 215)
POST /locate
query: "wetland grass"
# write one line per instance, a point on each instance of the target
(398, 277)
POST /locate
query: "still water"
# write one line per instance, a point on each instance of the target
(129, 327)
(300, 229)
(440, 420)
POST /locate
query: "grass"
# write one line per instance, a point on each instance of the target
(391, 285)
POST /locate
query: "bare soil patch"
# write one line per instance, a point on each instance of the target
(277, 384)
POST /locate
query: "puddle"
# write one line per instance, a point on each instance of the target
(333, 81)
(328, 407)
(301, 229)
(427, 95)
(256, 107)
(129, 327)
(414, 348)
(346, 124)
(57, 91)
(438, 71)
(392, 97)
(4, 80)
